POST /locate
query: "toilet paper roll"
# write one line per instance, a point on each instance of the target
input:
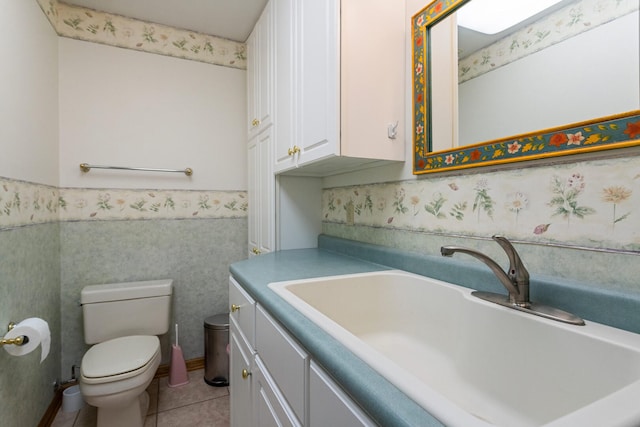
(39, 335)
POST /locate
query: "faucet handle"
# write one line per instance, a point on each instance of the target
(517, 271)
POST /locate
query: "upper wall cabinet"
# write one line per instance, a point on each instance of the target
(339, 84)
(260, 98)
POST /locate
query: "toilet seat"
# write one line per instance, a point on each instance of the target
(119, 358)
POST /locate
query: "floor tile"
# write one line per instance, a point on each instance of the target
(210, 413)
(153, 396)
(195, 404)
(195, 391)
(64, 419)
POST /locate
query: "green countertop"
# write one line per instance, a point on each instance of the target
(387, 405)
(384, 403)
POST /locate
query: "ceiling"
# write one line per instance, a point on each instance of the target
(230, 19)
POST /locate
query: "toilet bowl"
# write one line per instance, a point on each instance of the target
(122, 321)
(114, 376)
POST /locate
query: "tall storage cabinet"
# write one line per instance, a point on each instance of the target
(260, 101)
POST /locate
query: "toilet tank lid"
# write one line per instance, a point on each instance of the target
(124, 291)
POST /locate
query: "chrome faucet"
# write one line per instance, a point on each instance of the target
(515, 280)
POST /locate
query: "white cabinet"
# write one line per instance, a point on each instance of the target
(273, 381)
(260, 104)
(339, 84)
(240, 381)
(261, 187)
(241, 360)
(260, 98)
(329, 405)
(285, 360)
(271, 409)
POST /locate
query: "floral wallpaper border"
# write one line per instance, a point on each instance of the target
(24, 203)
(592, 204)
(114, 30)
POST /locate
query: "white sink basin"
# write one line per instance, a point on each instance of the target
(470, 362)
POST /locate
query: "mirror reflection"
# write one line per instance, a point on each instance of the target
(576, 61)
(546, 73)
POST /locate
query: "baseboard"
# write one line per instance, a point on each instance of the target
(56, 402)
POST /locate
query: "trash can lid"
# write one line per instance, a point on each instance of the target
(218, 321)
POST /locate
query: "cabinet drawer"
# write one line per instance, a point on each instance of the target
(270, 406)
(285, 360)
(242, 310)
(329, 405)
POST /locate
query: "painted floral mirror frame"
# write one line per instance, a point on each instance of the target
(604, 133)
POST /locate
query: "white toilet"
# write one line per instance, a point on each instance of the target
(123, 321)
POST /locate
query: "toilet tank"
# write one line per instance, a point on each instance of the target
(123, 309)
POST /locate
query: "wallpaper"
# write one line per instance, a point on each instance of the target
(24, 203)
(592, 204)
(565, 23)
(90, 25)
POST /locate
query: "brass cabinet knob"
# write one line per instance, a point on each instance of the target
(255, 122)
(234, 308)
(256, 251)
(245, 374)
(294, 150)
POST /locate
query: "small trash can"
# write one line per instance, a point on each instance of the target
(72, 399)
(216, 358)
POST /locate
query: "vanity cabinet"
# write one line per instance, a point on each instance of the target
(339, 84)
(273, 380)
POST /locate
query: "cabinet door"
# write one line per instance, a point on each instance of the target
(267, 193)
(318, 82)
(285, 39)
(329, 405)
(260, 74)
(261, 194)
(240, 380)
(253, 195)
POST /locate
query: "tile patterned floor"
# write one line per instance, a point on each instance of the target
(194, 404)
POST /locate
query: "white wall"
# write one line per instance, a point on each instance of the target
(28, 94)
(126, 108)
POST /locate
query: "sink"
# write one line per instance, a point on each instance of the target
(469, 362)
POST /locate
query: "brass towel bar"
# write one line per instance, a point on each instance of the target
(85, 167)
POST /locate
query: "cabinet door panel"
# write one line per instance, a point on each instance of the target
(285, 81)
(329, 405)
(286, 361)
(271, 407)
(318, 79)
(240, 388)
(244, 313)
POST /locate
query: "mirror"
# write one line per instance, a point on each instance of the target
(603, 114)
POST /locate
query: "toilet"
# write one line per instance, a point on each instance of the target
(122, 321)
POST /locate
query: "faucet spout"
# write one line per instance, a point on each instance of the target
(515, 280)
(514, 292)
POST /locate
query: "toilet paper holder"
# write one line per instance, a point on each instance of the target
(21, 340)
